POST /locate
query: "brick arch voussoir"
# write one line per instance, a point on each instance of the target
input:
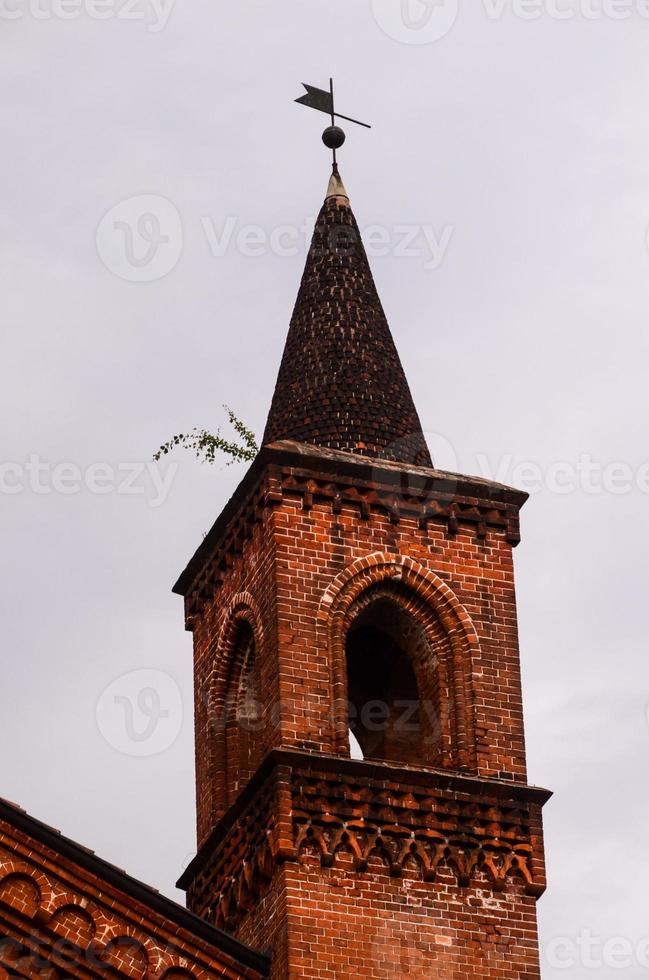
(47, 895)
(243, 607)
(87, 913)
(28, 902)
(115, 931)
(179, 972)
(383, 567)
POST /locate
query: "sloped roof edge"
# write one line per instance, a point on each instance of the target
(138, 890)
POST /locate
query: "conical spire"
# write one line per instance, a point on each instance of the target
(341, 384)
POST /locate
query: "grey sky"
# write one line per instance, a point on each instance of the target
(519, 146)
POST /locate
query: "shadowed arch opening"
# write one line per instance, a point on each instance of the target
(234, 710)
(443, 666)
(243, 705)
(393, 684)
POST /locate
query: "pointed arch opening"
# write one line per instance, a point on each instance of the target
(393, 688)
(234, 715)
(396, 633)
(243, 706)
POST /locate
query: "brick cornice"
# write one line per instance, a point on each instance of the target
(323, 802)
(294, 470)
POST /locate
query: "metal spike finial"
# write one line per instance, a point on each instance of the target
(318, 98)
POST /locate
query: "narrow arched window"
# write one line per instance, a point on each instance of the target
(244, 712)
(392, 685)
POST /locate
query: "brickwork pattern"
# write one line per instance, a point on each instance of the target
(306, 549)
(246, 593)
(360, 576)
(382, 928)
(58, 919)
(378, 835)
(339, 875)
(341, 383)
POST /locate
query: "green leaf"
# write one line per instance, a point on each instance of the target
(206, 445)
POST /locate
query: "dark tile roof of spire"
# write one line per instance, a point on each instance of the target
(341, 384)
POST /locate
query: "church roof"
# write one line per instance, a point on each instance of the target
(62, 905)
(341, 384)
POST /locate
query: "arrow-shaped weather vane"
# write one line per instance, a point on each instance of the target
(318, 98)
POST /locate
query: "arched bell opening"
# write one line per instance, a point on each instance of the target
(393, 684)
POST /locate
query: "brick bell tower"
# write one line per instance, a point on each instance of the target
(350, 593)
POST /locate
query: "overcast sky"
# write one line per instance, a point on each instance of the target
(507, 182)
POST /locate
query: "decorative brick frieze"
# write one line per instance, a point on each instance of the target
(308, 474)
(237, 862)
(430, 826)
(381, 815)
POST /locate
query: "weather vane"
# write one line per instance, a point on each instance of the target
(318, 98)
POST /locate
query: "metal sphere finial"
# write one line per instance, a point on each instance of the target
(333, 137)
(317, 98)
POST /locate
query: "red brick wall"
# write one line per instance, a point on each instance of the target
(250, 582)
(313, 540)
(342, 924)
(266, 926)
(285, 569)
(313, 548)
(60, 918)
(321, 857)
